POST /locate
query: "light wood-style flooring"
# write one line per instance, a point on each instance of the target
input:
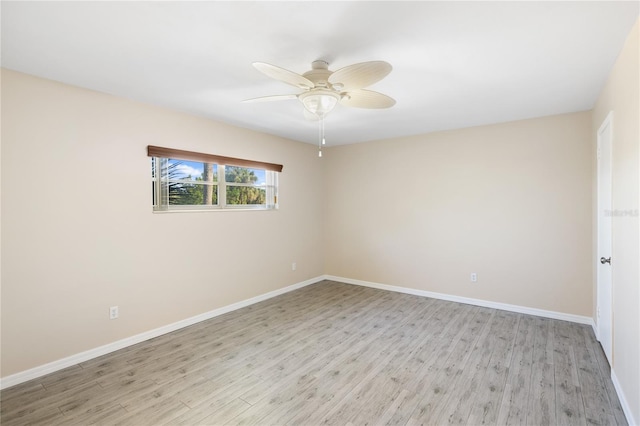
(334, 353)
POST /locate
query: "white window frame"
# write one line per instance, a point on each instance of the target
(161, 189)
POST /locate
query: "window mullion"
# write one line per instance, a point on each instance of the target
(222, 187)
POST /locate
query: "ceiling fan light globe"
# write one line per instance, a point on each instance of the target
(319, 102)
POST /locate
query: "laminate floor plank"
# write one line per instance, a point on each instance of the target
(516, 391)
(98, 414)
(334, 353)
(213, 393)
(65, 379)
(569, 406)
(541, 407)
(488, 399)
(155, 414)
(278, 397)
(222, 414)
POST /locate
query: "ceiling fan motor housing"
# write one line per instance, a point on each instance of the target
(319, 73)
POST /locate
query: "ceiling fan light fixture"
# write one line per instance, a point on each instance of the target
(323, 88)
(319, 102)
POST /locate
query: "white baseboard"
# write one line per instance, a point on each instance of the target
(60, 364)
(469, 301)
(623, 400)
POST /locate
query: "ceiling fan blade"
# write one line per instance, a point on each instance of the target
(360, 75)
(271, 98)
(284, 75)
(367, 99)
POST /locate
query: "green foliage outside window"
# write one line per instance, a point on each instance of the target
(243, 195)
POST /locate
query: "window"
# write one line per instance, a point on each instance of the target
(181, 181)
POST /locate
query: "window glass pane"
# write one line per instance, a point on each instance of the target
(245, 195)
(236, 174)
(191, 183)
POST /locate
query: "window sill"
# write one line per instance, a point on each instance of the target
(228, 209)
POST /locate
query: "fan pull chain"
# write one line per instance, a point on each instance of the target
(321, 140)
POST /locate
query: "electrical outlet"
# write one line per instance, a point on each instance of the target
(293, 266)
(474, 277)
(113, 312)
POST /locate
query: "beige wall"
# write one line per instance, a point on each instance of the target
(621, 95)
(510, 202)
(78, 233)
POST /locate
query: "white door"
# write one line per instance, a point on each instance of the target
(605, 215)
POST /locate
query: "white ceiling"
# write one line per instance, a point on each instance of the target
(456, 64)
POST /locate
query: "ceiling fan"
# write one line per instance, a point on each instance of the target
(323, 89)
